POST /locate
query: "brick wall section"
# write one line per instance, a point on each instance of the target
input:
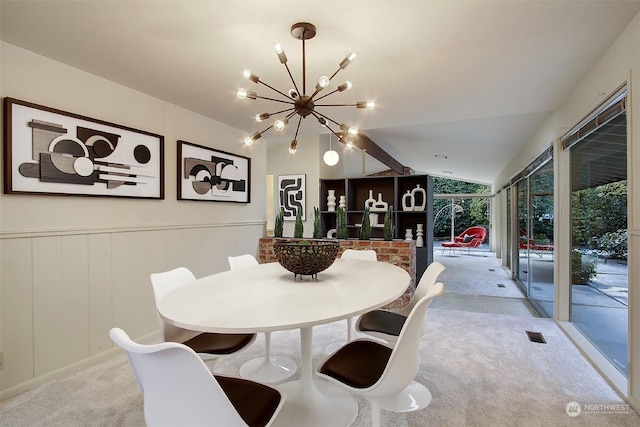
(397, 252)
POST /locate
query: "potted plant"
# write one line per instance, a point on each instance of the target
(317, 226)
(279, 224)
(298, 228)
(388, 224)
(341, 224)
(365, 228)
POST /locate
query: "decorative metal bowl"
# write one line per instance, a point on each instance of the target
(305, 257)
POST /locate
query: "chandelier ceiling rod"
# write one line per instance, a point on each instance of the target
(302, 104)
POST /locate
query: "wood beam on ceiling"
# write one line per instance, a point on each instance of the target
(363, 142)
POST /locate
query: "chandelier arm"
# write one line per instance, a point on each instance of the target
(281, 111)
(324, 96)
(336, 105)
(276, 100)
(334, 74)
(298, 127)
(291, 77)
(314, 112)
(274, 89)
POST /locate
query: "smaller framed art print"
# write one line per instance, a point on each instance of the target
(49, 151)
(291, 195)
(207, 174)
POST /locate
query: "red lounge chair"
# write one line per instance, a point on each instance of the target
(472, 237)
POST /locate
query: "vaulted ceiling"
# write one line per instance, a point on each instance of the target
(469, 80)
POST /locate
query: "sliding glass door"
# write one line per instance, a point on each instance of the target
(535, 262)
(599, 240)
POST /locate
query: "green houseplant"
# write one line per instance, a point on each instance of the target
(365, 229)
(298, 228)
(388, 224)
(317, 226)
(279, 224)
(341, 224)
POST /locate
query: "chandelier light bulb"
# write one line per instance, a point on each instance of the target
(349, 145)
(323, 82)
(250, 139)
(345, 86)
(331, 158)
(281, 55)
(250, 76)
(293, 146)
(262, 117)
(365, 104)
(348, 60)
(351, 130)
(280, 124)
(241, 93)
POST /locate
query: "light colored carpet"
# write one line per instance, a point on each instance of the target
(481, 369)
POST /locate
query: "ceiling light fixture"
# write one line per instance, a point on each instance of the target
(302, 104)
(331, 157)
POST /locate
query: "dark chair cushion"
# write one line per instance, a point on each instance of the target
(218, 343)
(358, 364)
(256, 403)
(384, 321)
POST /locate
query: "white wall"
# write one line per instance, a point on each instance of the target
(620, 64)
(304, 161)
(73, 267)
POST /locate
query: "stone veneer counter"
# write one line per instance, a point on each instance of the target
(397, 252)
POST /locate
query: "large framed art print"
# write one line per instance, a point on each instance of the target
(210, 175)
(49, 151)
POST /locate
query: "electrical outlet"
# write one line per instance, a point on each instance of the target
(1, 360)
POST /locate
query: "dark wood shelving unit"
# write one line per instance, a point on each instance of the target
(391, 190)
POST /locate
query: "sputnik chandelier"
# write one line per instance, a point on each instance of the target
(302, 104)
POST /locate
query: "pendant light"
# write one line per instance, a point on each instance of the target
(331, 157)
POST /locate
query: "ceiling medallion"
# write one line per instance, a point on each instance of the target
(302, 103)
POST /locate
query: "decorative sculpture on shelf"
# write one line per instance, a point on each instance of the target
(414, 200)
(317, 226)
(331, 201)
(408, 235)
(407, 202)
(343, 202)
(419, 196)
(419, 234)
(375, 206)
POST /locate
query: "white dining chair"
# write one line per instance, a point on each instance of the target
(179, 389)
(363, 254)
(385, 376)
(268, 368)
(386, 324)
(208, 345)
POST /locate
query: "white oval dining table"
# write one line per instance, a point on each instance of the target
(267, 298)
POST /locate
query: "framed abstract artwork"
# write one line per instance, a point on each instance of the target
(291, 195)
(48, 151)
(206, 174)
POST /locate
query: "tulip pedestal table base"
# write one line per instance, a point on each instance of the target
(314, 402)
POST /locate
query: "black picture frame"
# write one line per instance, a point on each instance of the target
(53, 152)
(211, 175)
(292, 195)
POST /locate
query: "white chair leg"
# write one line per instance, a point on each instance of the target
(267, 344)
(349, 328)
(375, 413)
